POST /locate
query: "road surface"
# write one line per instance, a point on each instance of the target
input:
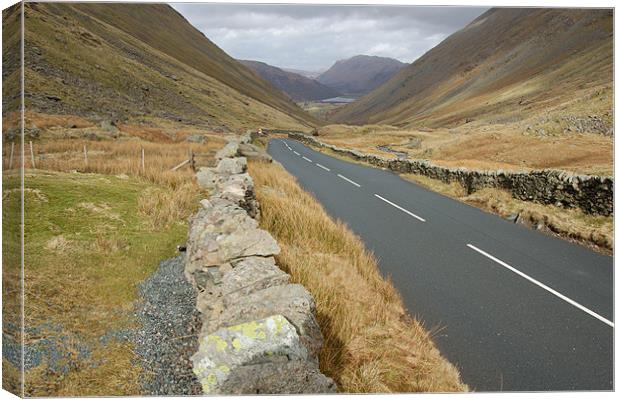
(512, 308)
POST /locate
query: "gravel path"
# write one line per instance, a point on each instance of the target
(168, 334)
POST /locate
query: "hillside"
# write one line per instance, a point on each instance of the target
(359, 75)
(506, 65)
(139, 61)
(308, 74)
(298, 87)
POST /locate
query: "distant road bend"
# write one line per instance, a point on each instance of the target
(513, 309)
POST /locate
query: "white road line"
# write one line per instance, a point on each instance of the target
(296, 153)
(322, 167)
(307, 159)
(401, 208)
(349, 180)
(543, 286)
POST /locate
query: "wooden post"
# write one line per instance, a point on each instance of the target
(192, 163)
(11, 157)
(34, 166)
(85, 156)
(143, 160)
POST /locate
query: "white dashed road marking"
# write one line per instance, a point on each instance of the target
(349, 180)
(296, 153)
(543, 286)
(322, 167)
(307, 159)
(400, 208)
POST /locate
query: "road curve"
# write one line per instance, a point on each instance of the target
(512, 308)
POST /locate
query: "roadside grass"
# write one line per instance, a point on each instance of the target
(572, 224)
(90, 240)
(371, 344)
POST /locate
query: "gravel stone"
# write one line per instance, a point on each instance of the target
(168, 335)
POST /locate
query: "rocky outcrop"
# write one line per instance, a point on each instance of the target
(259, 332)
(591, 194)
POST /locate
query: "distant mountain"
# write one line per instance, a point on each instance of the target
(299, 88)
(135, 60)
(511, 62)
(361, 74)
(308, 74)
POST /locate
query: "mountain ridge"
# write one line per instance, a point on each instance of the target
(359, 74)
(143, 61)
(486, 68)
(296, 86)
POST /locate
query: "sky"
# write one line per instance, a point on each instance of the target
(312, 38)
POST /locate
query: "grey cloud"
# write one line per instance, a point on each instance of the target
(314, 37)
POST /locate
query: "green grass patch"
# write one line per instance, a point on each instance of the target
(89, 243)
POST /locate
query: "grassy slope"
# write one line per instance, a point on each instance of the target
(506, 64)
(90, 239)
(130, 60)
(371, 344)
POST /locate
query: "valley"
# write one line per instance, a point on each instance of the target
(168, 177)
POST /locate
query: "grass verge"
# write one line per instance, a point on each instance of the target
(594, 231)
(371, 344)
(90, 240)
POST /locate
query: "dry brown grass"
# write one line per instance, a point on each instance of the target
(121, 157)
(483, 146)
(371, 344)
(594, 231)
(43, 121)
(163, 207)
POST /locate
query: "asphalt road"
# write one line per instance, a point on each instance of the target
(512, 308)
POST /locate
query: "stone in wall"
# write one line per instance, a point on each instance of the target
(262, 347)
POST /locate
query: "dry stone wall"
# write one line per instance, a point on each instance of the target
(591, 194)
(259, 332)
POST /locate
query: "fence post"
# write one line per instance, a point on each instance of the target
(34, 166)
(192, 163)
(142, 160)
(11, 157)
(85, 156)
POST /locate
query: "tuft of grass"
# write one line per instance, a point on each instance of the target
(166, 206)
(371, 344)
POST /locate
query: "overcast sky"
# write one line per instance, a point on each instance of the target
(314, 37)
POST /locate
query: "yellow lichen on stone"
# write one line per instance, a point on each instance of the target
(224, 369)
(236, 343)
(279, 321)
(208, 383)
(249, 329)
(220, 344)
